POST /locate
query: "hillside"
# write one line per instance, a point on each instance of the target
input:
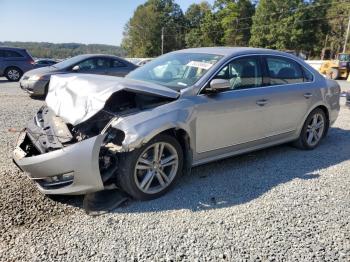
(64, 50)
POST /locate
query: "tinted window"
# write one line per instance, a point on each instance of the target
(102, 63)
(87, 64)
(308, 77)
(284, 71)
(117, 63)
(9, 53)
(2, 53)
(242, 73)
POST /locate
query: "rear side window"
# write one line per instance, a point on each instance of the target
(117, 63)
(284, 71)
(102, 63)
(9, 53)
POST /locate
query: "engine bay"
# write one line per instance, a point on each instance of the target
(49, 132)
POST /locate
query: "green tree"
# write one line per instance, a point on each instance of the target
(338, 16)
(142, 34)
(274, 24)
(236, 20)
(194, 17)
(211, 30)
(300, 25)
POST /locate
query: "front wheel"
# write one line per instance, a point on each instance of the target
(150, 171)
(314, 129)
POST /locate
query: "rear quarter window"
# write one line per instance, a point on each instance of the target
(308, 77)
(116, 63)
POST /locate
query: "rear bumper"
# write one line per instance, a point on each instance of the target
(78, 162)
(36, 88)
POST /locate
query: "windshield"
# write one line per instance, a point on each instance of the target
(69, 62)
(344, 57)
(175, 70)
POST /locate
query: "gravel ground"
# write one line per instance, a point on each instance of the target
(278, 204)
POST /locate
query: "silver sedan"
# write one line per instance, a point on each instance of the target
(183, 109)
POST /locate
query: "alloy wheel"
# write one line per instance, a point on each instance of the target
(13, 74)
(315, 128)
(156, 167)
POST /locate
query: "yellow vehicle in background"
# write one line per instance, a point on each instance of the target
(338, 68)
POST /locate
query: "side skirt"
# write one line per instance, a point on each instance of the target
(227, 152)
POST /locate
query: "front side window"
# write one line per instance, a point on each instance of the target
(283, 71)
(87, 64)
(242, 73)
(176, 70)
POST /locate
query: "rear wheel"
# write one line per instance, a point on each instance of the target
(150, 171)
(13, 74)
(333, 73)
(314, 129)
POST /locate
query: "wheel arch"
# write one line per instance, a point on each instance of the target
(184, 140)
(8, 67)
(321, 106)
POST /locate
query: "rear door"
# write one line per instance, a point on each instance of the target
(2, 64)
(288, 94)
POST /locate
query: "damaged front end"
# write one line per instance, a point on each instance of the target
(77, 159)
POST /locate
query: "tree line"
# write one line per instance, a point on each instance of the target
(64, 50)
(300, 25)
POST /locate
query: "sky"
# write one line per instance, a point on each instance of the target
(62, 21)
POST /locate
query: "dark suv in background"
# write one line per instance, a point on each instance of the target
(14, 62)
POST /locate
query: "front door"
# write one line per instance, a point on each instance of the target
(236, 115)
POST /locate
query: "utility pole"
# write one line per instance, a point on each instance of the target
(347, 36)
(163, 39)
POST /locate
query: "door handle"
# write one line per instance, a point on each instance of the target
(307, 95)
(261, 102)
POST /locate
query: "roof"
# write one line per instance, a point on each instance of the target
(229, 51)
(98, 55)
(11, 48)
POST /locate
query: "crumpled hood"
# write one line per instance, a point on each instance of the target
(77, 97)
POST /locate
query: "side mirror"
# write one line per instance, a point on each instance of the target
(76, 68)
(218, 84)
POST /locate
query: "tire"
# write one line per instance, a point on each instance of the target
(304, 141)
(143, 183)
(46, 90)
(13, 74)
(333, 73)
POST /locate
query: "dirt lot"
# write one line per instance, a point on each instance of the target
(275, 204)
